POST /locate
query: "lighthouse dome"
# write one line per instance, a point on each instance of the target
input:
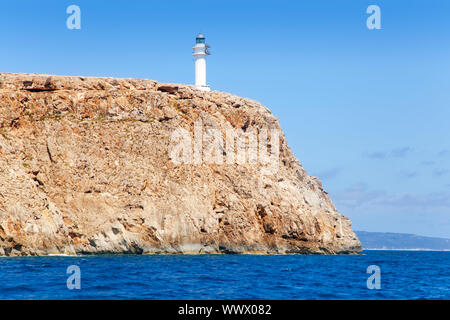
(200, 38)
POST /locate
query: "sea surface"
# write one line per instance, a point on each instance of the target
(403, 275)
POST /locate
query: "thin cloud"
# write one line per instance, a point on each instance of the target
(395, 153)
(401, 152)
(359, 196)
(440, 172)
(429, 200)
(376, 155)
(410, 174)
(328, 174)
(443, 153)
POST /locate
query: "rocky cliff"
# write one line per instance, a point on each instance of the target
(86, 166)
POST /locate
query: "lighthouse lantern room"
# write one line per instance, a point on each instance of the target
(201, 50)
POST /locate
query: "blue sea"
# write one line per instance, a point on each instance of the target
(403, 275)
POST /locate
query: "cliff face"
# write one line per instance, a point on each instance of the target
(87, 165)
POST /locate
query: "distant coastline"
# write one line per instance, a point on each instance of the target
(418, 249)
(401, 242)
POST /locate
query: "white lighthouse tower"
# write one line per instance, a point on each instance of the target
(200, 53)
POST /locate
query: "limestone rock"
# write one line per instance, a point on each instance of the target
(85, 168)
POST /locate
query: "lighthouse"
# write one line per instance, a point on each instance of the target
(200, 53)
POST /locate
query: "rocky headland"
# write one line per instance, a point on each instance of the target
(85, 168)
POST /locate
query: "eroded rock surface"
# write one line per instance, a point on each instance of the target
(85, 168)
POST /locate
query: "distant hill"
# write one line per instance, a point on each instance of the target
(397, 241)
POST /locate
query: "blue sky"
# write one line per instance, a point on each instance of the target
(365, 110)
